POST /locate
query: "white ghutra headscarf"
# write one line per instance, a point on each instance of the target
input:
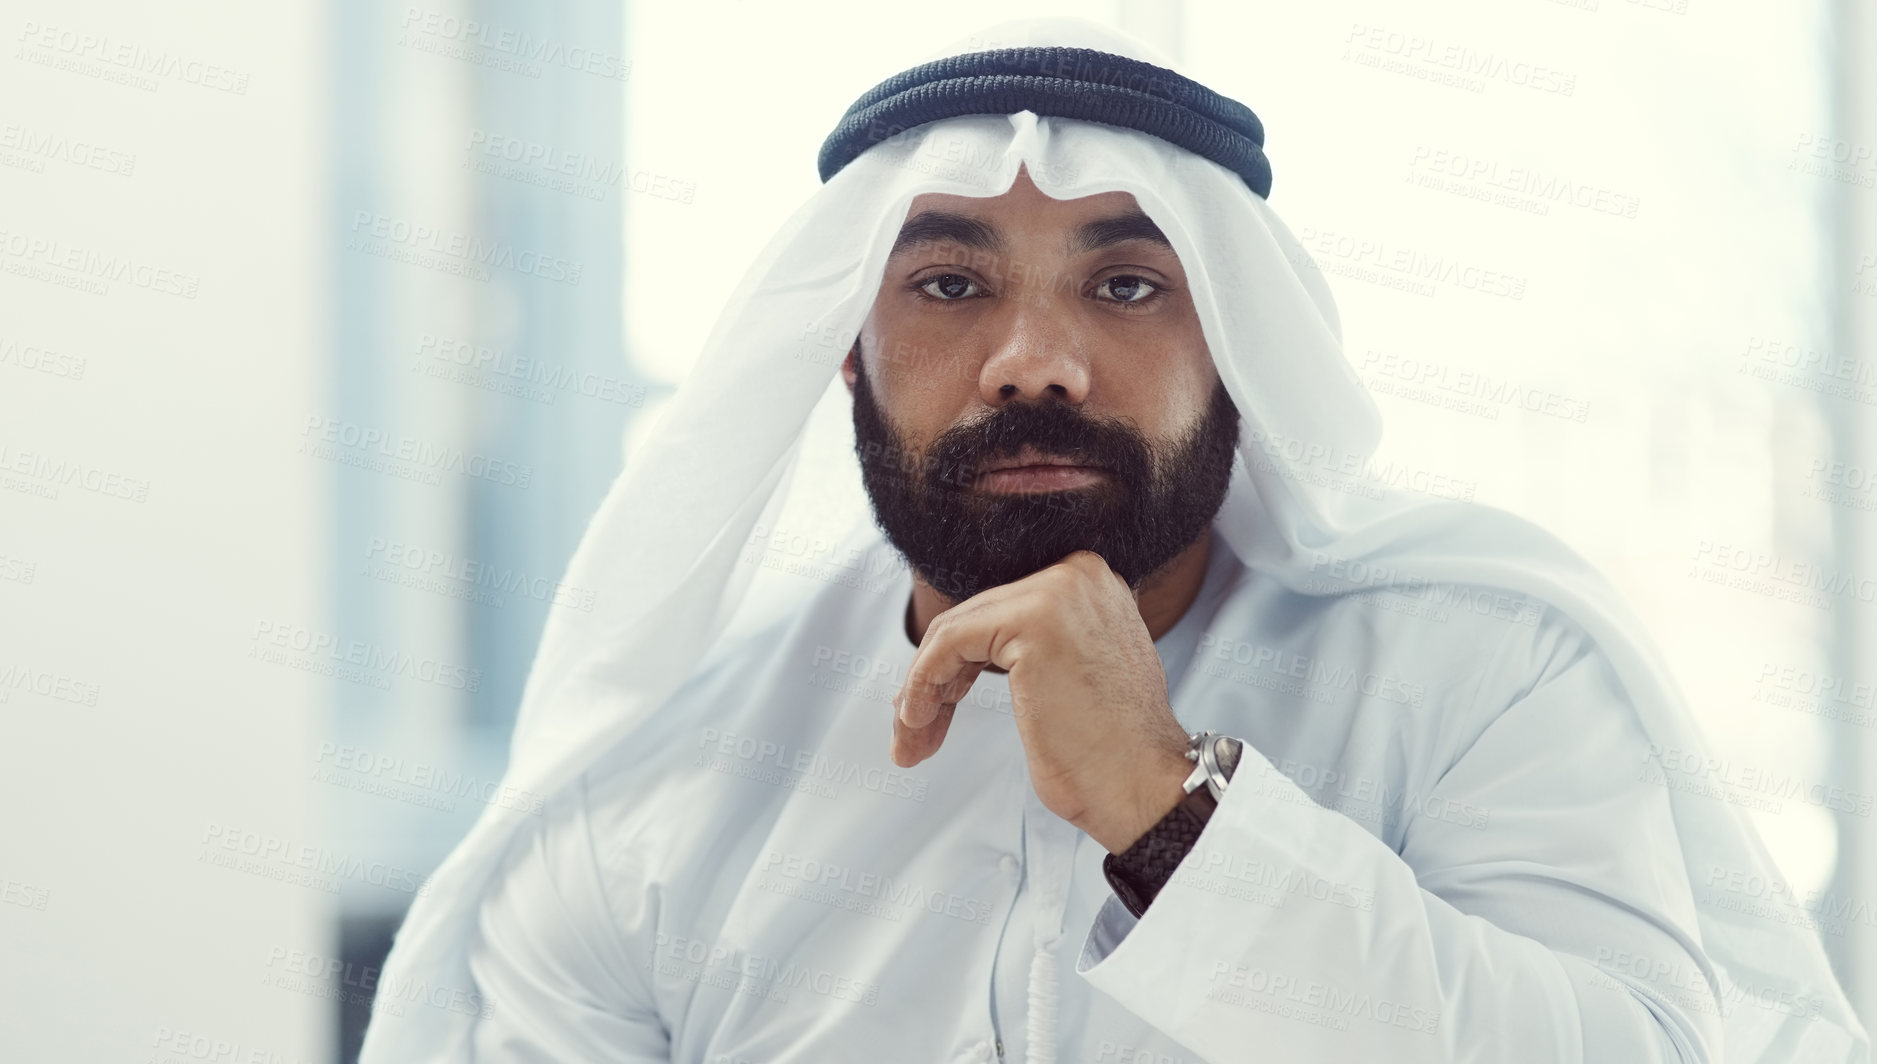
(757, 439)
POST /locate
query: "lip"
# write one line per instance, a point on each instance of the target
(1032, 470)
(1029, 458)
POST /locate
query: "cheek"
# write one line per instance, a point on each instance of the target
(923, 351)
(1187, 348)
(908, 405)
(921, 386)
(1198, 378)
(1170, 391)
(909, 399)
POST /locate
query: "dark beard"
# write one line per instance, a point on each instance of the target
(1154, 504)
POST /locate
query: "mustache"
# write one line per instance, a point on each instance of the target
(1053, 427)
(1155, 500)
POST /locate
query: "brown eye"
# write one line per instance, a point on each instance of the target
(1129, 289)
(950, 287)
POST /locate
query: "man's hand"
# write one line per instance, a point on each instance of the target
(1090, 696)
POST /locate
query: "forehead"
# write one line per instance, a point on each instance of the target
(1023, 197)
(993, 223)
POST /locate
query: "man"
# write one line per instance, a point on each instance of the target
(1163, 783)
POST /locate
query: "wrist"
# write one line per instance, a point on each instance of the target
(1154, 787)
(1138, 873)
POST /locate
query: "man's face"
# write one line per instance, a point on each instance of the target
(1032, 381)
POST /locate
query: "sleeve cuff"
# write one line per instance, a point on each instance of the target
(1158, 966)
(1112, 924)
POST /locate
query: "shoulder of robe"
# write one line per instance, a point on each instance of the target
(1544, 648)
(1454, 636)
(1475, 651)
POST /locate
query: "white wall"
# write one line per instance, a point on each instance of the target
(161, 227)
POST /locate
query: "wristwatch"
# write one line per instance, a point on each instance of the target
(1137, 874)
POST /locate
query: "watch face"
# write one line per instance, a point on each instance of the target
(1225, 750)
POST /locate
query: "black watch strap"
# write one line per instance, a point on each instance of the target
(1137, 873)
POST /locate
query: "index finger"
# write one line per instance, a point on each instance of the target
(948, 662)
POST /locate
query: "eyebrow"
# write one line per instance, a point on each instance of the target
(938, 227)
(1119, 229)
(941, 227)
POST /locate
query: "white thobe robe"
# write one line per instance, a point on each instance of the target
(1444, 843)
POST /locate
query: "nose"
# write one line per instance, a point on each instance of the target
(1039, 353)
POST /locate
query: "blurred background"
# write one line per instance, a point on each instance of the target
(324, 328)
